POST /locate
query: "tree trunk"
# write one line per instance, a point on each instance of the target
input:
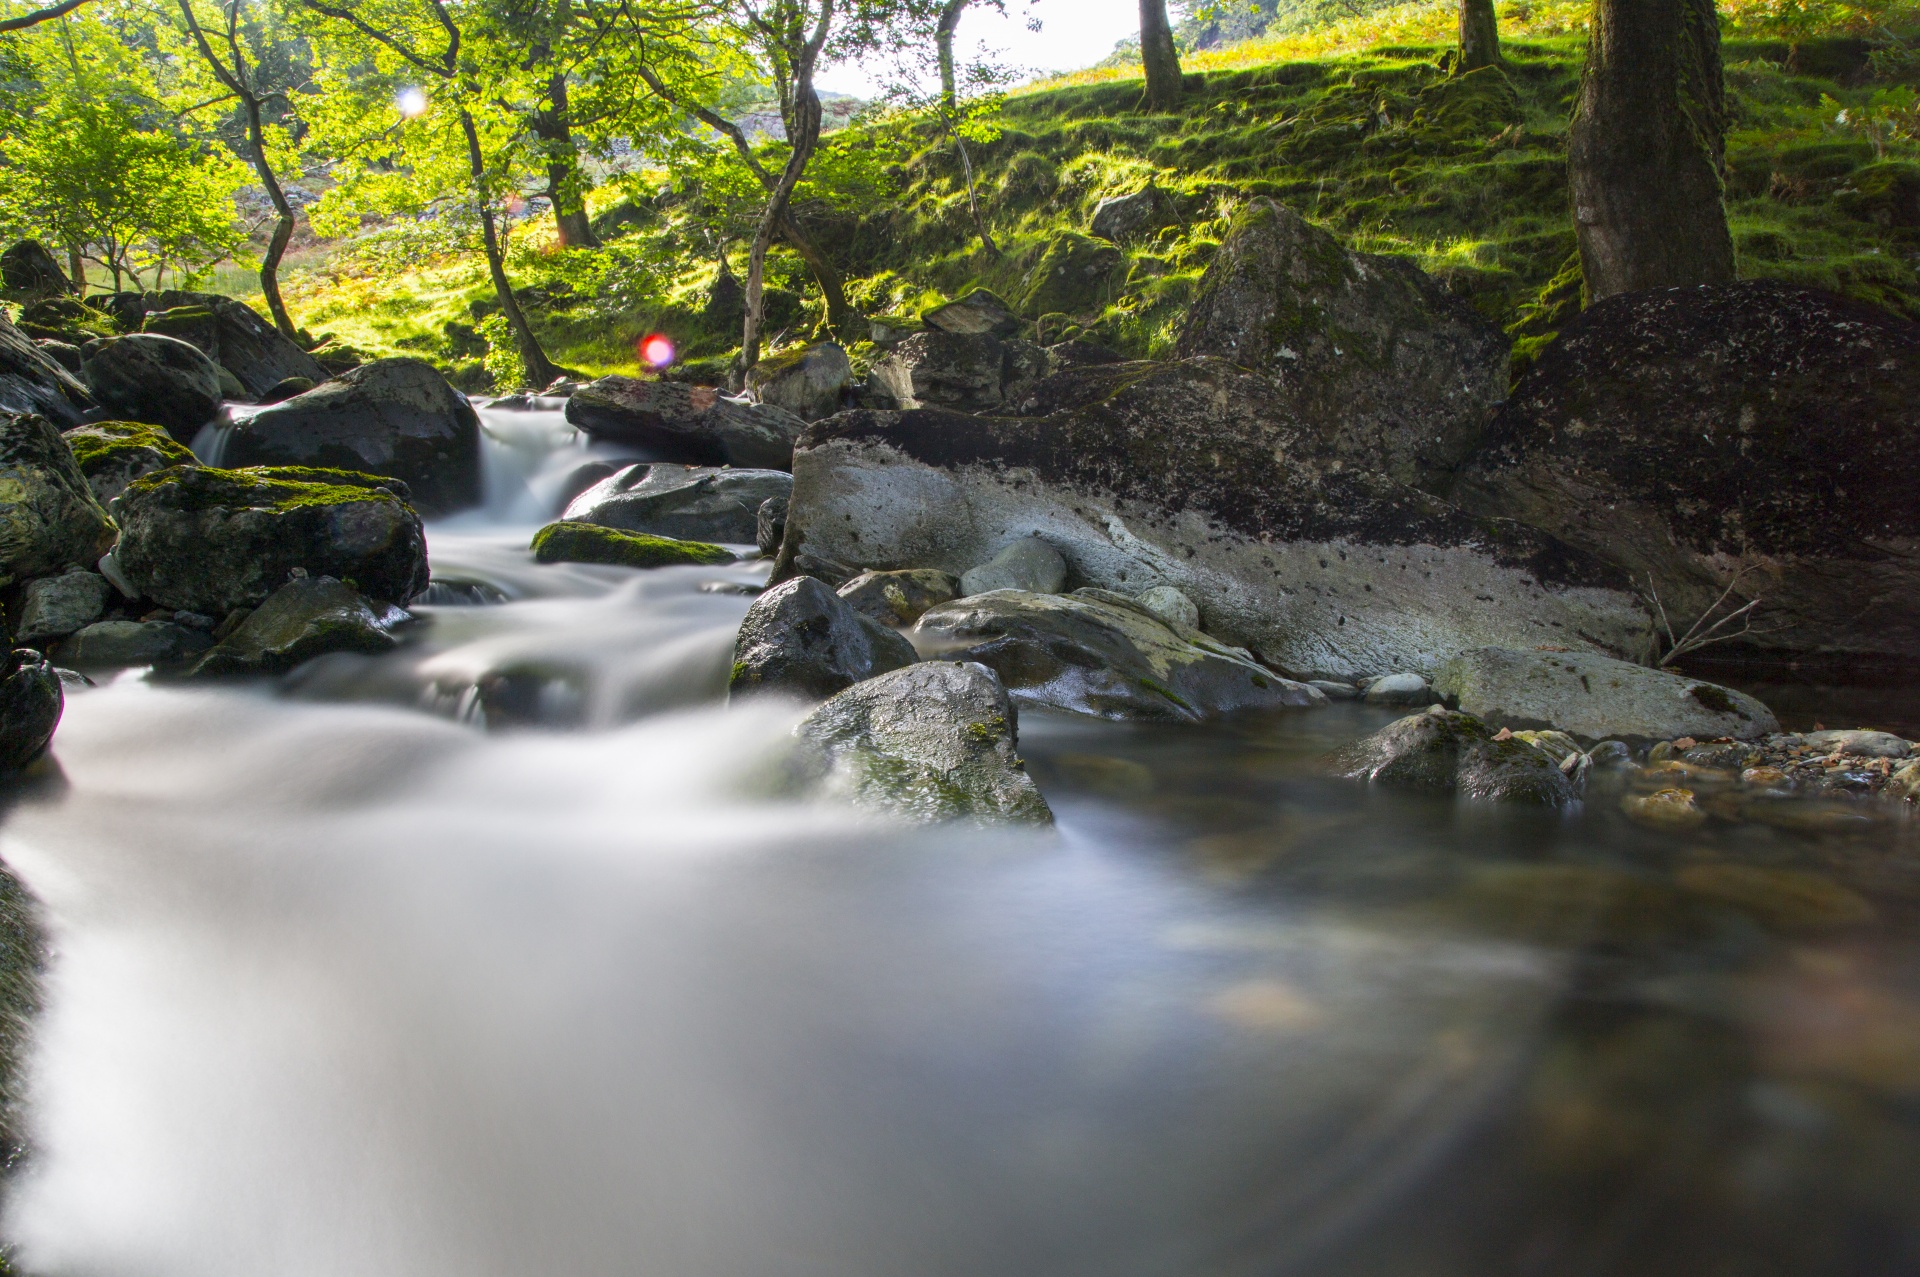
(283, 227)
(77, 270)
(1479, 35)
(1158, 57)
(805, 130)
(840, 313)
(540, 371)
(1646, 150)
(943, 46)
(554, 128)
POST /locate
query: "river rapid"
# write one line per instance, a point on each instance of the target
(497, 954)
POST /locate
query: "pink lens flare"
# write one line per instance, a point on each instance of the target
(656, 349)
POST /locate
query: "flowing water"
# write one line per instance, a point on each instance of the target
(493, 955)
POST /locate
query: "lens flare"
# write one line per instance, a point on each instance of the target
(656, 350)
(411, 102)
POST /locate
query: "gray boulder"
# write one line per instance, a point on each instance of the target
(393, 417)
(1391, 371)
(802, 639)
(1408, 690)
(690, 425)
(49, 519)
(1170, 605)
(304, 618)
(1128, 217)
(1866, 744)
(968, 372)
(807, 383)
(1457, 753)
(31, 701)
(33, 381)
(156, 379)
(112, 454)
(979, 311)
(210, 541)
(29, 271)
(899, 598)
(1199, 475)
(1101, 654)
(930, 742)
(127, 644)
(55, 606)
(689, 503)
(1027, 564)
(770, 525)
(1594, 697)
(66, 354)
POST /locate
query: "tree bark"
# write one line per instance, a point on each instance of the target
(1158, 57)
(1479, 35)
(804, 135)
(77, 270)
(554, 127)
(540, 370)
(943, 47)
(1646, 151)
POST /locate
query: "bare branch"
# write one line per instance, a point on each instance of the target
(38, 16)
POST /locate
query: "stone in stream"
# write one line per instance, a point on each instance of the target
(159, 380)
(977, 311)
(1866, 744)
(770, 525)
(1202, 476)
(1027, 564)
(694, 503)
(49, 518)
(899, 598)
(112, 454)
(55, 606)
(398, 418)
(32, 381)
(688, 425)
(807, 382)
(1594, 697)
(31, 701)
(1103, 654)
(802, 639)
(566, 542)
(1446, 751)
(305, 618)
(1399, 690)
(210, 541)
(931, 742)
(128, 644)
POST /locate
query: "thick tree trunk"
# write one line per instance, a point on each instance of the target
(1647, 148)
(943, 46)
(1479, 35)
(540, 371)
(283, 226)
(554, 128)
(840, 313)
(804, 132)
(1158, 57)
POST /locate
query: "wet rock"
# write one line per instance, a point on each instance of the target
(303, 619)
(931, 742)
(770, 525)
(127, 644)
(28, 271)
(565, 542)
(1669, 809)
(899, 598)
(49, 519)
(1122, 218)
(112, 454)
(158, 380)
(802, 639)
(1199, 475)
(1392, 372)
(1556, 745)
(32, 381)
(1027, 564)
(287, 388)
(1754, 430)
(1611, 754)
(1171, 606)
(1867, 744)
(979, 311)
(210, 541)
(1594, 696)
(1334, 690)
(1113, 659)
(1453, 752)
(1783, 899)
(691, 425)
(398, 418)
(31, 701)
(693, 503)
(55, 606)
(1399, 690)
(807, 383)
(1731, 756)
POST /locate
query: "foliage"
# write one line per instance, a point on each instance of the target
(1889, 120)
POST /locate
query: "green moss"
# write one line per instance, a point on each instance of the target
(103, 442)
(1161, 689)
(196, 488)
(569, 542)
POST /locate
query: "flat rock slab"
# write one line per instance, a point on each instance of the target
(690, 425)
(1595, 698)
(689, 503)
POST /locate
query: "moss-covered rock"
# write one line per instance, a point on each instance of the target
(112, 454)
(573, 542)
(1456, 753)
(1075, 275)
(49, 517)
(304, 618)
(801, 639)
(1468, 108)
(1885, 194)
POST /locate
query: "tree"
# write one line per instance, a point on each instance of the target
(1479, 35)
(20, 22)
(960, 118)
(1158, 57)
(1646, 150)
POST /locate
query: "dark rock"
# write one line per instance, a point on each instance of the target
(304, 618)
(287, 388)
(28, 270)
(210, 540)
(1757, 434)
(566, 542)
(1128, 217)
(965, 371)
(687, 502)
(770, 525)
(1063, 355)
(891, 330)
(1201, 476)
(1451, 752)
(159, 380)
(66, 319)
(1075, 275)
(393, 417)
(31, 701)
(692, 425)
(1594, 697)
(899, 598)
(978, 311)
(127, 644)
(49, 518)
(243, 342)
(64, 353)
(930, 742)
(1375, 355)
(726, 300)
(194, 325)
(801, 639)
(1105, 656)
(807, 383)
(112, 454)
(33, 381)
(55, 606)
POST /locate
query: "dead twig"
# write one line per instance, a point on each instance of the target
(1710, 627)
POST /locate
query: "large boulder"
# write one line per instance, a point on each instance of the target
(689, 503)
(899, 598)
(807, 383)
(156, 379)
(33, 381)
(49, 519)
(1756, 435)
(979, 310)
(307, 617)
(1595, 697)
(1394, 373)
(969, 372)
(1121, 218)
(209, 541)
(930, 742)
(1074, 275)
(53, 607)
(1095, 652)
(801, 639)
(28, 270)
(394, 417)
(112, 454)
(691, 425)
(1457, 753)
(240, 340)
(31, 701)
(1201, 476)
